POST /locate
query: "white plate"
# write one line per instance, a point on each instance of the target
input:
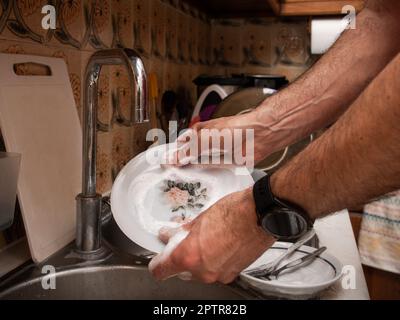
(139, 206)
(302, 283)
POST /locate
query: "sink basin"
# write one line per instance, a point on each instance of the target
(117, 282)
(117, 276)
(120, 272)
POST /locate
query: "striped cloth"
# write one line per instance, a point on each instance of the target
(379, 239)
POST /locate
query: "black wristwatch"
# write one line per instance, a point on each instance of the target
(283, 220)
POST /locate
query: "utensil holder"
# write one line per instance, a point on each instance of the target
(9, 170)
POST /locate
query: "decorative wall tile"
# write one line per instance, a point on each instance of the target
(183, 37)
(11, 47)
(72, 59)
(122, 148)
(70, 11)
(138, 134)
(122, 19)
(257, 44)
(104, 112)
(158, 28)
(104, 162)
(194, 72)
(101, 15)
(99, 33)
(171, 40)
(157, 67)
(227, 43)
(208, 45)
(171, 76)
(193, 40)
(176, 42)
(204, 39)
(22, 20)
(71, 20)
(120, 89)
(119, 77)
(141, 26)
(182, 71)
(104, 171)
(124, 99)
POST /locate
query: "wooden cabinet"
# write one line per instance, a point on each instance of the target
(312, 7)
(268, 8)
(233, 8)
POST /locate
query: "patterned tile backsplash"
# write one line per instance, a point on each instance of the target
(176, 41)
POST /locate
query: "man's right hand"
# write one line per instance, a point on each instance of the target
(206, 139)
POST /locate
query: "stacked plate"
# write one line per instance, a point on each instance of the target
(304, 282)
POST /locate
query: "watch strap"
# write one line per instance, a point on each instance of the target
(265, 199)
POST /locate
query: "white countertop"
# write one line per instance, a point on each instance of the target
(335, 232)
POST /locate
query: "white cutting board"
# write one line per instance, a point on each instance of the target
(38, 119)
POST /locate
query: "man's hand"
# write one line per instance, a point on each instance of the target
(222, 241)
(220, 136)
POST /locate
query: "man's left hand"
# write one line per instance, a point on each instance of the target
(222, 241)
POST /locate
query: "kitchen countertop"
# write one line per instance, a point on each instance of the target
(335, 232)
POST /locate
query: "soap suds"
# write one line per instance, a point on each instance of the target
(173, 242)
(148, 198)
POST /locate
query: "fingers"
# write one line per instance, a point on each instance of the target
(182, 155)
(211, 165)
(194, 148)
(162, 267)
(188, 148)
(188, 135)
(178, 263)
(192, 154)
(165, 233)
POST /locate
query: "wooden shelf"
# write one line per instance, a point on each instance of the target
(312, 7)
(233, 8)
(268, 8)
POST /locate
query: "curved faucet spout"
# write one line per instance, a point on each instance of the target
(89, 202)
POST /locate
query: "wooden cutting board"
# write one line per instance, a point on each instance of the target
(39, 120)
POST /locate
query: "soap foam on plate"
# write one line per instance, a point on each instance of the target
(149, 202)
(173, 242)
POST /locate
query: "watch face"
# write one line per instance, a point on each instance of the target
(285, 224)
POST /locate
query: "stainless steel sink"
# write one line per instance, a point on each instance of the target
(116, 276)
(117, 282)
(120, 272)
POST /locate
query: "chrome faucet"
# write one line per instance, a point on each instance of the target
(88, 232)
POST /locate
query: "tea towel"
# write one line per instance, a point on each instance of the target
(379, 239)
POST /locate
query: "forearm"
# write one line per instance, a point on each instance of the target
(323, 93)
(356, 160)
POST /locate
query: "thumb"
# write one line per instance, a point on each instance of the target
(162, 266)
(166, 233)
